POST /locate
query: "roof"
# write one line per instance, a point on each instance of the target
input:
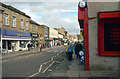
(33, 22)
(14, 9)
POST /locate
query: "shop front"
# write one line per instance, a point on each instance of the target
(14, 40)
(34, 39)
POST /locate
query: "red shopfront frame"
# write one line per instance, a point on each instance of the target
(106, 18)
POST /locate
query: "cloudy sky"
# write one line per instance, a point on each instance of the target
(52, 14)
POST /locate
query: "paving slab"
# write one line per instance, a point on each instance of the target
(85, 74)
(104, 74)
(72, 74)
(58, 75)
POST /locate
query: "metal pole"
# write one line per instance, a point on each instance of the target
(1, 43)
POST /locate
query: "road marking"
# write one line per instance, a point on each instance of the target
(50, 70)
(48, 67)
(36, 72)
(57, 61)
(57, 67)
(42, 66)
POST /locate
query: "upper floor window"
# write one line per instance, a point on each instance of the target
(26, 25)
(21, 23)
(13, 21)
(32, 28)
(6, 19)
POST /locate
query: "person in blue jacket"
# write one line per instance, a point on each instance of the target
(70, 52)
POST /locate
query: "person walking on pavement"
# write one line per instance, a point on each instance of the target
(28, 46)
(78, 48)
(66, 47)
(70, 52)
(40, 47)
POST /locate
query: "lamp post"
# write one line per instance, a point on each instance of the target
(40, 37)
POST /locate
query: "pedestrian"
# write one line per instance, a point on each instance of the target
(66, 47)
(37, 44)
(28, 46)
(78, 48)
(40, 47)
(31, 45)
(70, 52)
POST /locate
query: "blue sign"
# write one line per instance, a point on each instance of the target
(15, 33)
(82, 4)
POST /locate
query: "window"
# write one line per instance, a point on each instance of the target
(23, 44)
(14, 21)
(26, 25)
(32, 28)
(6, 19)
(21, 23)
(35, 28)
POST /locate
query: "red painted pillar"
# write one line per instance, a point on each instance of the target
(86, 39)
(83, 15)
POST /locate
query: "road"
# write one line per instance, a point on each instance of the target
(34, 65)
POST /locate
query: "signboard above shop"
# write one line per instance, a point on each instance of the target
(34, 35)
(14, 33)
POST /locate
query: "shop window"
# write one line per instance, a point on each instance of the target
(9, 45)
(13, 21)
(23, 44)
(5, 19)
(4, 44)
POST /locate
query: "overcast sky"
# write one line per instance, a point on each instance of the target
(52, 14)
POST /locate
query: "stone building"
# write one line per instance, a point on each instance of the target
(53, 36)
(34, 33)
(15, 29)
(43, 30)
(73, 37)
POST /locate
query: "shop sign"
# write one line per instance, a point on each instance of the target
(82, 4)
(34, 35)
(15, 33)
(112, 37)
(41, 38)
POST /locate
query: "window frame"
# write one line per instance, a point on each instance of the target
(6, 19)
(26, 25)
(13, 21)
(21, 24)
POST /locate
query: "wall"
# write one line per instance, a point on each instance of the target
(42, 31)
(99, 62)
(53, 33)
(18, 18)
(33, 28)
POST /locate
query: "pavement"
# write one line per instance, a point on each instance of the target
(77, 70)
(25, 52)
